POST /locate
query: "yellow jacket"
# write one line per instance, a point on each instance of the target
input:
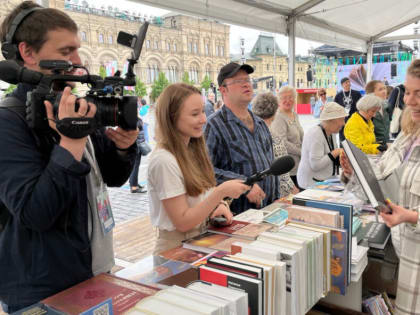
(361, 134)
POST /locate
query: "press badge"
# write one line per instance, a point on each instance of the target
(104, 210)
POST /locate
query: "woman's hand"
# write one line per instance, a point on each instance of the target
(233, 188)
(398, 215)
(345, 165)
(336, 152)
(223, 209)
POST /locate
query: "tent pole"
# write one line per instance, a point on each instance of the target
(291, 25)
(369, 61)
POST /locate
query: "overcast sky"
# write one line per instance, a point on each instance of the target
(250, 35)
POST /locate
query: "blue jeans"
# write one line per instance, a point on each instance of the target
(134, 176)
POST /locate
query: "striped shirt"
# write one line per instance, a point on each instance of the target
(236, 152)
(406, 236)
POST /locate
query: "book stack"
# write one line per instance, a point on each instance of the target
(342, 206)
(200, 299)
(359, 261)
(263, 279)
(378, 305)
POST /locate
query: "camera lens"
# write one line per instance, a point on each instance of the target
(115, 111)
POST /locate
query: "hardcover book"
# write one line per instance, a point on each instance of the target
(206, 242)
(377, 235)
(346, 211)
(183, 254)
(87, 294)
(254, 287)
(241, 229)
(366, 176)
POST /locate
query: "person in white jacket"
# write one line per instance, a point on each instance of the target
(320, 153)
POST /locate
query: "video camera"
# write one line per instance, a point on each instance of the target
(113, 107)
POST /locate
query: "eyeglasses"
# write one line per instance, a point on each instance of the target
(239, 81)
(322, 94)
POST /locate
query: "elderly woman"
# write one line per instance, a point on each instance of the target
(381, 119)
(286, 126)
(320, 103)
(359, 128)
(265, 105)
(403, 160)
(320, 153)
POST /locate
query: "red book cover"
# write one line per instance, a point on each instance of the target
(85, 295)
(229, 229)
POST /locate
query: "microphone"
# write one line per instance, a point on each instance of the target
(280, 166)
(12, 73)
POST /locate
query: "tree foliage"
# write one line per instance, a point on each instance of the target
(206, 83)
(102, 72)
(186, 79)
(158, 86)
(140, 88)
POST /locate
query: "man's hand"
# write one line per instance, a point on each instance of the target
(66, 109)
(123, 139)
(256, 195)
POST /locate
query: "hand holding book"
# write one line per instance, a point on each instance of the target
(345, 165)
(398, 215)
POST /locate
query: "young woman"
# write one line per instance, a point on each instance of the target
(403, 159)
(180, 177)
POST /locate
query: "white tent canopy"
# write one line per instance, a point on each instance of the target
(352, 24)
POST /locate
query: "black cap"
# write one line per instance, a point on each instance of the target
(230, 70)
(344, 80)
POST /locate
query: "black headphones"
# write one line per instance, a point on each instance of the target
(9, 49)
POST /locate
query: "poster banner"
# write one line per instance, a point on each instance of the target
(380, 71)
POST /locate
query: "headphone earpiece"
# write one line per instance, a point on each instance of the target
(9, 49)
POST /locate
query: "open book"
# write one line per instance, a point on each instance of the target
(366, 176)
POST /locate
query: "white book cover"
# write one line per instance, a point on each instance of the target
(295, 291)
(157, 306)
(238, 298)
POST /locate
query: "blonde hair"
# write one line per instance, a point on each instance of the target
(286, 89)
(320, 91)
(193, 159)
(408, 126)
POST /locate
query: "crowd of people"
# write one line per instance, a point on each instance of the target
(54, 228)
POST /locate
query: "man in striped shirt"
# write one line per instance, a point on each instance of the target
(239, 142)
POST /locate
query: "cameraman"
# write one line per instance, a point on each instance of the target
(53, 187)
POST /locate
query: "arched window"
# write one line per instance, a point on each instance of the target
(110, 39)
(174, 47)
(152, 72)
(194, 74)
(101, 38)
(83, 36)
(222, 51)
(206, 49)
(195, 48)
(172, 73)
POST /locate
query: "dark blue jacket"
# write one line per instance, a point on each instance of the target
(44, 247)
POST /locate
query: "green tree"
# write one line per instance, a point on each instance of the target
(158, 86)
(9, 89)
(186, 79)
(206, 83)
(140, 88)
(102, 72)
